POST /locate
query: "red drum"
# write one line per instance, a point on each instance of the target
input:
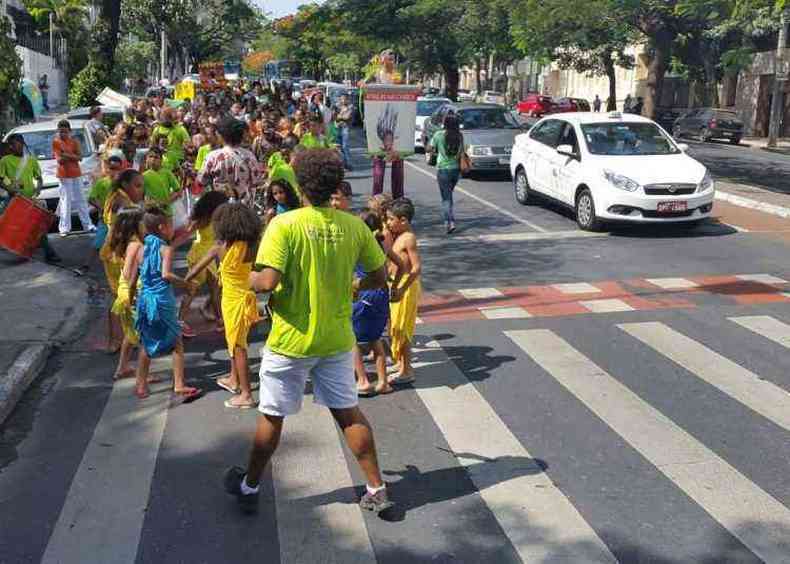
(23, 225)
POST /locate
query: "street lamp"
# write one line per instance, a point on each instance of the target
(780, 78)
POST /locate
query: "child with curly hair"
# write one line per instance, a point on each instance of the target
(280, 198)
(237, 230)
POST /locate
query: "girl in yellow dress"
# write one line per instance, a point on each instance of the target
(200, 224)
(127, 191)
(125, 242)
(237, 230)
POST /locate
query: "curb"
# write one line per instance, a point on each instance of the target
(20, 375)
(27, 366)
(753, 204)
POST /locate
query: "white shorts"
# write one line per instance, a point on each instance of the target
(283, 380)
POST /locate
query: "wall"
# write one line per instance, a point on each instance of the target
(753, 95)
(35, 64)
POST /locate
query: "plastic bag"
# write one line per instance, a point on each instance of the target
(182, 209)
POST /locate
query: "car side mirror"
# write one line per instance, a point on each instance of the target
(683, 147)
(566, 150)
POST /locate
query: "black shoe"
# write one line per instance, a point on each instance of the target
(232, 482)
(377, 502)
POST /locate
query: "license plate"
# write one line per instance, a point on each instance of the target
(670, 207)
(504, 161)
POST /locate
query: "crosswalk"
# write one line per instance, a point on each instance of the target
(536, 443)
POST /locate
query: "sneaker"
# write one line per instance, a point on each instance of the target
(92, 229)
(64, 235)
(232, 483)
(377, 502)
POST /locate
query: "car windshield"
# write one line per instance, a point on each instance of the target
(427, 107)
(487, 118)
(40, 143)
(624, 139)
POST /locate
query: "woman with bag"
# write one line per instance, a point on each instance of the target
(451, 159)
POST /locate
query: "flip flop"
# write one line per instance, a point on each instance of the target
(141, 395)
(401, 380)
(366, 393)
(227, 388)
(189, 394)
(229, 403)
(124, 375)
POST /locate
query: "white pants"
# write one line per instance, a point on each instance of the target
(72, 199)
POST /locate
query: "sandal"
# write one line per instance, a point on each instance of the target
(401, 380)
(226, 387)
(366, 392)
(188, 394)
(229, 403)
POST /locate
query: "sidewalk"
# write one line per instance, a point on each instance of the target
(754, 198)
(782, 144)
(43, 308)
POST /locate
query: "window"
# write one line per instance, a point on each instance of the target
(547, 132)
(626, 139)
(568, 137)
(428, 107)
(40, 143)
(438, 117)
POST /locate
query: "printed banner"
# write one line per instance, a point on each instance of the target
(185, 90)
(390, 116)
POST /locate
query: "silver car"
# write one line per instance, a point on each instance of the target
(38, 138)
(489, 133)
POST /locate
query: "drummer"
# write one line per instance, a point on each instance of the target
(20, 175)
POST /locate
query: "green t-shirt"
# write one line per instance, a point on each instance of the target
(443, 160)
(9, 165)
(310, 141)
(177, 136)
(316, 250)
(159, 185)
(201, 156)
(100, 191)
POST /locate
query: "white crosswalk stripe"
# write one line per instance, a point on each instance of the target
(727, 495)
(766, 326)
(757, 394)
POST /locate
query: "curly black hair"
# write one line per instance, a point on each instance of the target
(232, 131)
(319, 172)
(236, 222)
(206, 205)
(292, 202)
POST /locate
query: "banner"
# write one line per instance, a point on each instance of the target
(185, 90)
(109, 97)
(390, 116)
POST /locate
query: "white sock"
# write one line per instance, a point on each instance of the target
(247, 490)
(374, 491)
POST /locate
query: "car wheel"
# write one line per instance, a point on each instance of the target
(585, 212)
(521, 187)
(735, 141)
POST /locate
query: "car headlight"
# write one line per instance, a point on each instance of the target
(706, 183)
(620, 181)
(481, 151)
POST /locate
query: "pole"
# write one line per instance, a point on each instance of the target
(51, 37)
(163, 56)
(780, 78)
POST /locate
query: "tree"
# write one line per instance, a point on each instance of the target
(10, 71)
(133, 57)
(582, 35)
(488, 39)
(69, 19)
(254, 62)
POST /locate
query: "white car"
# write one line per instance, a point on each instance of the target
(493, 97)
(426, 106)
(38, 139)
(611, 167)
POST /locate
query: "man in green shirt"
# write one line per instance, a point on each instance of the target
(307, 260)
(171, 137)
(20, 174)
(160, 185)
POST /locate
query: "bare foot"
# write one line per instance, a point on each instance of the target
(384, 388)
(227, 383)
(125, 373)
(365, 390)
(113, 348)
(141, 392)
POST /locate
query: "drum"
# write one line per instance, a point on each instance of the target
(23, 224)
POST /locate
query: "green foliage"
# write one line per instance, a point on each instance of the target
(10, 68)
(132, 58)
(88, 83)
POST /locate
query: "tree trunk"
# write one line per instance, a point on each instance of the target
(711, 82)
(478, 83)
(110, 13)
(451, 79)
(662, 48)
(611, 74)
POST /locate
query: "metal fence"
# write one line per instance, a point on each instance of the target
(35, 40)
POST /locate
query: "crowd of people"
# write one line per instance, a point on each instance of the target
(273, 214)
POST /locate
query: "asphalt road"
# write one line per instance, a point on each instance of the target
(620, 397)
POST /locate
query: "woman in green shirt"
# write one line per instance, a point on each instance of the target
(449, 146)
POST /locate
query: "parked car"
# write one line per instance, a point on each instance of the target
(611, 167)
(38, 139)
(466, 95)
(535, 105)
(493, 97)
(564, 105)
(426, 106)
(110, 115)
(709, 123)
(582, 105)
(489, 132)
